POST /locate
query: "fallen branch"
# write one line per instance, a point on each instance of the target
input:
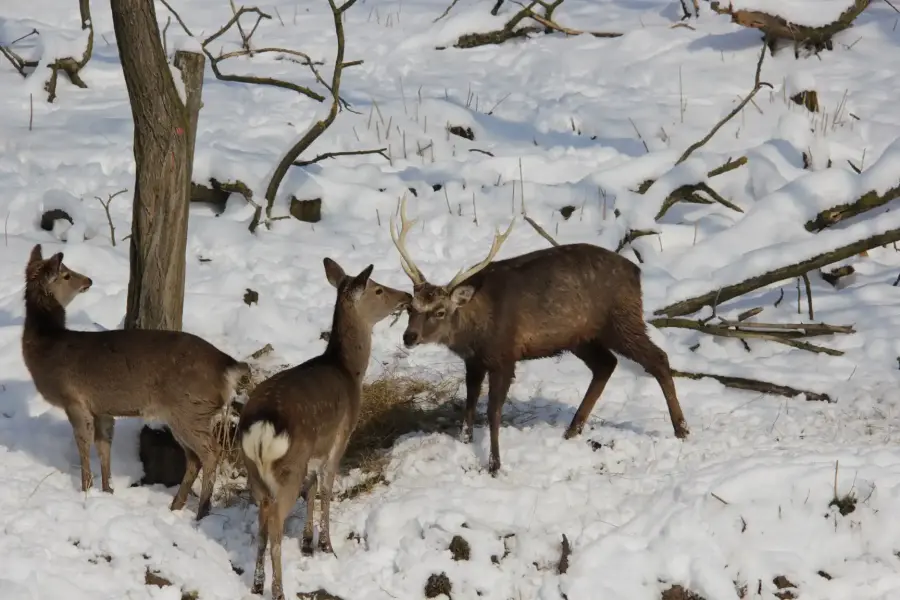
(866, 202)
(509, 31)
(686, 307)
(800, 329)
(327, 155)
(735, 332)
(755, 385)
(69, 65)
(775, 28)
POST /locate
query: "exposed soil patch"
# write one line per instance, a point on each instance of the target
(437, 584)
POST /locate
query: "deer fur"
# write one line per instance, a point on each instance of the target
(576, 298)
(170, 376)
(295, 426)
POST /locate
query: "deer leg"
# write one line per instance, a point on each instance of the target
(306, 545)
(475, 373)
(259, 573)
(637, 346)
(499, 382)
(325, 515)
(191, 469)
(103, 436)
(83, 426)
(210, 462)
(602, 363)
(285, 498)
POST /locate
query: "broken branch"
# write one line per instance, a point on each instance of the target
(755, 385)
(686, 307)
(728, 331)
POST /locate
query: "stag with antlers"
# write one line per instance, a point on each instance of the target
(576, 298)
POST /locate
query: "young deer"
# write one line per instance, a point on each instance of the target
(295, 426)
(95, 376)
(575, 297)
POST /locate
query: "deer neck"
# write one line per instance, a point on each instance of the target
(44, 315)
(350, 342)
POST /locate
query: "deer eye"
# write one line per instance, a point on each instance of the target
(440, 313)
(378, 291)
(66, 276)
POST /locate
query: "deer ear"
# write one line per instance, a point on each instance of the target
(55, 262)
(358, 285)
(461, 294)
(36, 254)
(333, 272)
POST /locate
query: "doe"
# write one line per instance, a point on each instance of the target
(576, 298)
(295, 426)
(95, 376)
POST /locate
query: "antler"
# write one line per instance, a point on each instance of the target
(400, 242)
(495, 246)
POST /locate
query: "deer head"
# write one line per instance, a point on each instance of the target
(433, 306)
(51, 277)
(364, 297)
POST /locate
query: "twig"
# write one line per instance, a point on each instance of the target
(247, 50)
(809, 299)
(446, 11)
(541, 231)
(112, 228)
(757, 85)
(327, 155)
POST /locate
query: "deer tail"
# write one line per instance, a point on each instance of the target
(263, 446)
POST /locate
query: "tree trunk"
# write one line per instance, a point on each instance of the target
(191, 65)
(162, 182)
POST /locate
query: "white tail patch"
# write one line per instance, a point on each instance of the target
(263, 447)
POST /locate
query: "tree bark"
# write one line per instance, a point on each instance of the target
(191, 66)
(162, 181)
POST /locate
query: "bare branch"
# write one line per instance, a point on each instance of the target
(319, 127)
(112, 228)
(247, 50)
(327, 155)
(757, 85)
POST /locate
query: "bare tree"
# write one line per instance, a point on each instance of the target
(163, 148)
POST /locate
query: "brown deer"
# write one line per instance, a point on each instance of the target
(576, 298)
(295, 426)
(171, 376)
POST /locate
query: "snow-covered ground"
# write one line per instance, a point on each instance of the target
(581, 121)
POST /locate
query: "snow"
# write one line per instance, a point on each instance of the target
(576, 121)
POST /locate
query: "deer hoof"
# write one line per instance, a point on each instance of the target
(257, 588)
(682, 431)
(108, 489)
(203, 510)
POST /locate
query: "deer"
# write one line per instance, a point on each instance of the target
(295, 426)
(94, 376)
(576, 298)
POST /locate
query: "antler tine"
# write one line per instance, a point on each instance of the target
(399, 239)
(495, 247)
